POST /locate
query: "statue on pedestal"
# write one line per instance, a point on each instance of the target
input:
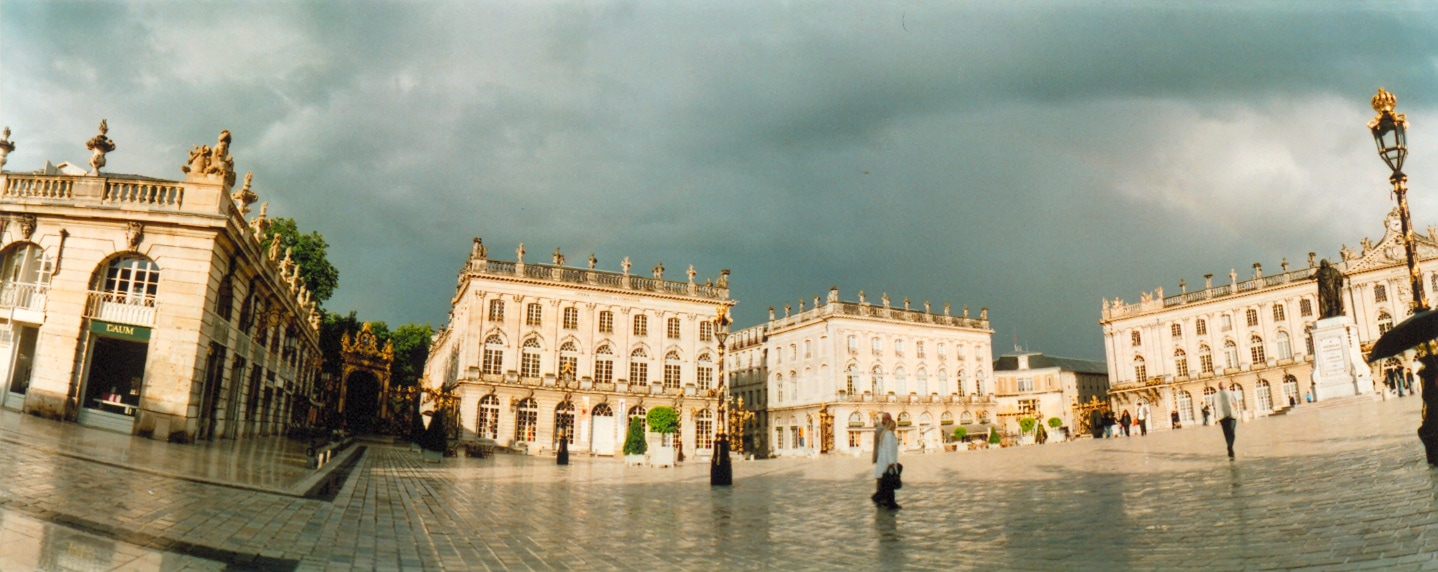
(1330, 290)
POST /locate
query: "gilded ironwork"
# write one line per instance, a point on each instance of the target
(363, 354)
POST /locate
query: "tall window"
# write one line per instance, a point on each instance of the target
(704, 372)
(923, 381)
(494, 355)
(1180, 363)
(564, 422)
(876, 346)
(1278, 315)
(1250, 317)
(606, 322)
(778, 388)
(131, 280)
(941, 351)
(877, 380)
(1380, 293)
(488, 417)
(568, 361)
(496, 310)
(641, 325)
(1385, 322)
(671, 370)
(571, 318)
(1305, 307)
(533, 315)
(671, 328)
(1255, 350)
(704, 429)
(1226, 321)
(1026, 383)
(959, 382)
(1230, 354)
(853, 345)
(807, 352)
(1200, 327)
(980, 381)
(706, 331)
(1205, 359)
(1283, 346)
(919, 349)
(1208, 393)
(901, 381)
(1140, 371)
(638, 367)
(1176, 330)
(529, 358)
(1264, 396)
(851, 378)
(25, 277)
(526, 424)
(1185, 407)
(1135, 338)
(603, 365)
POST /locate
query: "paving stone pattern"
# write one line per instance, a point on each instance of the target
(1300, 494)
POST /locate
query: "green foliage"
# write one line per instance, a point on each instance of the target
(310, 253)
(411, 349)
(960, 433)
(1027, 424)
(993, 436)
(634, 441)
(1055, 422)
(664, 420)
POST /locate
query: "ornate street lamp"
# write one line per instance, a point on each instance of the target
(721, 472)
(1390, 132)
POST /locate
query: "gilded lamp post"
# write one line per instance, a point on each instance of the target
(721, 472)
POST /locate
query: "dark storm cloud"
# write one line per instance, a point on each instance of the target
(1030, 158)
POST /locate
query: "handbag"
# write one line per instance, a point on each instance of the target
(892, 478)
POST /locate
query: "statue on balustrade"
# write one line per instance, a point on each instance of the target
(1330, 290)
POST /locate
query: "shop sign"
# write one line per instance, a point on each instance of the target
(122, 331)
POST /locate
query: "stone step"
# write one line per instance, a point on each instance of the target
(1335, 402)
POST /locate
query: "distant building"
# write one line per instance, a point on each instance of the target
(834, 367)
(1171, 351)
(1039, 386)
(748, 373)
(536, 351)
(148, 306)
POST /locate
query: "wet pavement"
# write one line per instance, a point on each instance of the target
(1339, 486)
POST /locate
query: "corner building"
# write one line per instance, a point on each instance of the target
(1254, 333)
(536, 351)
(835, 367)
(147, 306)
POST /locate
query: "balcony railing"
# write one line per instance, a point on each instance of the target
(600, 278)
(121, 308)
(23, 296)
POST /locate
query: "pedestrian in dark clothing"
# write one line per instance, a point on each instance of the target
(1206, 413)
(1224, 402)
(1110, 424)
(1125, 421)
(1174, 417)
(1095, 423)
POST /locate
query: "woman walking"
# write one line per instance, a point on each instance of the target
(886, 454)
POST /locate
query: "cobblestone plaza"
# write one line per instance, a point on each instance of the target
(1340, 485)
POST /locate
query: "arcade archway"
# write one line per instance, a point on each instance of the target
(365, 382)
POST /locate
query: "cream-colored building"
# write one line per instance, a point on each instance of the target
(834, 367)
(1034, 385)
(535, 350)
(1171, 351)
(147, 305)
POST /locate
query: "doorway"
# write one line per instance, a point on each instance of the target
(115, 381)
(361, 403)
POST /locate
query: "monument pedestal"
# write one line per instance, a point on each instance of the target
(1338, 366)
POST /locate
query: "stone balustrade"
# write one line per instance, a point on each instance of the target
(125, 193)
(1251, 285)
(865, 310)
(564, 274)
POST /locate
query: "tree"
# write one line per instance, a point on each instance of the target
(994, 436)
(1026, 425)
(663, 420)
(960, 433)
(310, 253)
(634, 441)
(1055, 422)
(411, 349)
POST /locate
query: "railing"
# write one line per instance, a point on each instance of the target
(497, 267)
(121, 308)
(610, 280)
(1250, 285)
(23, 296)
(35, 187)
(605, 279)
(147, 194)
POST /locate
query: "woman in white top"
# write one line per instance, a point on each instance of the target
(886, 454)
(1226, 408)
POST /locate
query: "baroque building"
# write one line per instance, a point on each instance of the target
(149, 306)
(539, 351)
(748, 374)
(836, 366)
(1254, 333)
(1034, 385)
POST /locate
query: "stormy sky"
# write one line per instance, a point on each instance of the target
(1033, 158)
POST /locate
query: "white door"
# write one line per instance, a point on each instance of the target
(602, 442)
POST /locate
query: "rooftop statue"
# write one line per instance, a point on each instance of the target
(245, 197)
(478, 250)
(221, 164)
(101, 145)
(6, 145)
(557, 257)
(1330, 290)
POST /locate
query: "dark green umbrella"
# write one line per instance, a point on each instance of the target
(1417, 329)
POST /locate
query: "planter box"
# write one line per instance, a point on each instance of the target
(661, 456)
(634, 459)
(1026, 440)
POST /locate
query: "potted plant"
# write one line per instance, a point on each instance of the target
(634, 445)
(993, 438)
(959, 435)
(665, 422)
(1026, 428)
(1057, 425)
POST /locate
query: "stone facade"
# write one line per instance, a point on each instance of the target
(532, 348)
(837, 365)
(748, 373)
(148, 306)
(1172, 351)
(1039, 386)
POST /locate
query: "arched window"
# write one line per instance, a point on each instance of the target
(671, 328)
(639, 367)
(793, 385)
(529, 358)
(1136, 338)
(856, 420)
(1255, 350)
(1140, 370)
(1205, 359)
(494, 355)
(926, 419)
(923, 381)
(704, 372)
(851, 379)
(1385, 322)
(1380, 293)
(1238, 401)
(568, 361)
(1230, 354)
(526, 424)
(1180, 363)
(704, 429)
(1208, 393)
(671, 370)
(980, 382)
(946, 419)
(641, 325)
(966, 418)
(901, 381)
(488, 417)
(604, 365)
(638, 412)
(603, 410)
(1200, 327)
(25, 277)
(1185, 407)
(564, 422)
(1283, 346)
(1290, 389)
(877, 380)
(1278, 315)
(131, 280)
(1265, 398)
(904, 419)
(959, 381)
(778, 388)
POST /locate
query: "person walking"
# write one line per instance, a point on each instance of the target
(1206, 413)
(886, 454)
(1110, 424)
(1173, 415)
(1142, 417)
(1124, 421)
(1227, 411)
(1096, 423)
